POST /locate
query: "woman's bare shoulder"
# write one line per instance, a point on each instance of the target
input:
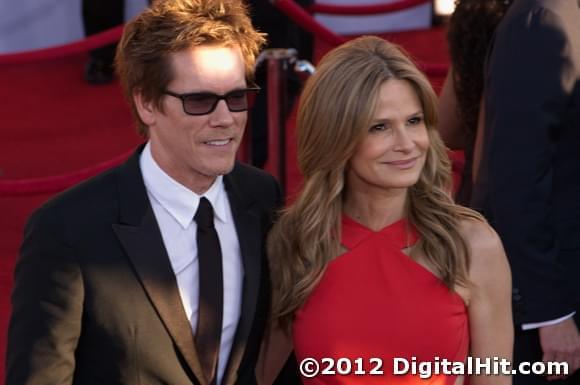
(480, 236)
(487, 255)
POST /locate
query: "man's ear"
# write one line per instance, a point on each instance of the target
(145, 109)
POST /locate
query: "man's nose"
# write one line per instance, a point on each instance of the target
(221, 115)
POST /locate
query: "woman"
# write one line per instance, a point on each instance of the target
(373, 259)
(461, 109)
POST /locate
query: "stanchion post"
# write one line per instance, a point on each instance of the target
(279, 62)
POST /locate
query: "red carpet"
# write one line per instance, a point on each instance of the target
(53, 123)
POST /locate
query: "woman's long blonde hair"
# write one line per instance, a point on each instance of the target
(336, 108)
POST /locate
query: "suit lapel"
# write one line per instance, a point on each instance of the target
(141, 239)
(247, 224)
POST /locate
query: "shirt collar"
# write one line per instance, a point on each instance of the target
(179, 201)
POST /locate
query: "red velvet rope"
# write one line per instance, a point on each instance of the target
(367, 9)
(94, 41)
(305, 20)
(310, 24)
(54, 184)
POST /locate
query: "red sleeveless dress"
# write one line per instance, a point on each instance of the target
(374, 301)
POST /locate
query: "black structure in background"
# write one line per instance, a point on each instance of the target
(282, 33)
(98, 16)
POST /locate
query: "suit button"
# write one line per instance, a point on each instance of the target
(516, 296)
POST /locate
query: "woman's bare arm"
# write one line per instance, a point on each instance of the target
(490, 313)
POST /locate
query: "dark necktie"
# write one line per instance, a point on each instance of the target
(209, 323)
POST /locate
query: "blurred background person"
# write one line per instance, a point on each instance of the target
(98, 16)
(471, 30)
(527, 183)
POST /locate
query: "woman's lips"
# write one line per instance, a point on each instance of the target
(403, 164)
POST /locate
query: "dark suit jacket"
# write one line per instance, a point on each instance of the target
(95, 298)
(529, 180)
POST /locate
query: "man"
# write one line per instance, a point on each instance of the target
(528, 184)
(120, 279)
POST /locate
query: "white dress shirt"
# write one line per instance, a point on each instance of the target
(537, 325)
(174, 207)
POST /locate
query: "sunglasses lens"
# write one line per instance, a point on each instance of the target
(199, 103)
(237, 100)
(205, 103)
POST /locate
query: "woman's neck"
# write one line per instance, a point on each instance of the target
(375, 208)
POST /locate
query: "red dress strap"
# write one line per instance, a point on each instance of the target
(400, 234)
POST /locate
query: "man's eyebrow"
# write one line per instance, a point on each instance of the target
(205, 91)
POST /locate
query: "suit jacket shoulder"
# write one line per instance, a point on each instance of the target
(86, 197)
(255, 186)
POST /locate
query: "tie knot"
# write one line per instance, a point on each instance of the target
(204, 215)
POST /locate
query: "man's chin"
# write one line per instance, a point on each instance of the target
(222, 169)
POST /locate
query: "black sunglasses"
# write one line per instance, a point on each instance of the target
(202, 103)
